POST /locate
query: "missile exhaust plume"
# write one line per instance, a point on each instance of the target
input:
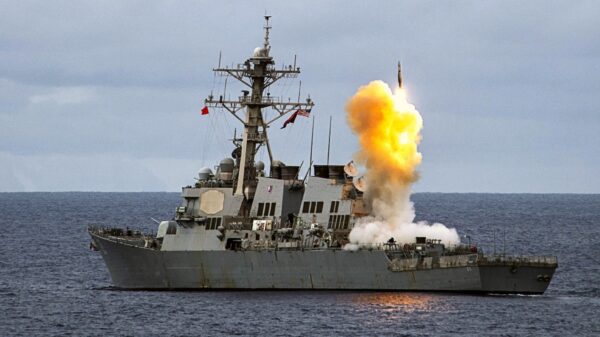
(388, 130)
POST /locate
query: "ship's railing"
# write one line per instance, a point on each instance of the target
(131, 237)
(431, 262)
(241, 223)
(375, 246)
(237, 223)
(308, 245)
(518, 260)
(264, 245)
(265, 100)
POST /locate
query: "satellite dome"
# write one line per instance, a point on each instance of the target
(259, 52)
(204, 173)
(226, 165)
(276, 166)
(260, 166)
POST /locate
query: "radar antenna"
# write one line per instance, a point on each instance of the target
(350, 169)
(267, 28)
(360, 183)
(257, 73)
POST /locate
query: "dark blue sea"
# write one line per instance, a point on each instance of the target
(51, 284)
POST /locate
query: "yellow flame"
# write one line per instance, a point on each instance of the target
(388, 129)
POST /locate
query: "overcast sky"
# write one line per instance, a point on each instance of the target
(105, 95)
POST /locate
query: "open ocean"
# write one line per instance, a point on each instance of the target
(51, 284)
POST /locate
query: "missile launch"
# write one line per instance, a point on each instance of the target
(399, 75)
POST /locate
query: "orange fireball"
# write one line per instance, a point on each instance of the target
(388, 129)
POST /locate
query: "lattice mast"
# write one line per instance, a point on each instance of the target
(258, 73)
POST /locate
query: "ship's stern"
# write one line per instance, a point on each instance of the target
(521, 275)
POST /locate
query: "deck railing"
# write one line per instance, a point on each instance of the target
(399, 261)
(135, 238)
(518, 260)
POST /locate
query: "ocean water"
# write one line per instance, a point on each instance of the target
(51, 284)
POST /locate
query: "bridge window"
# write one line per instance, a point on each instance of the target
(266, 209)
(334, 207)
(272, 213)
(312, 207)
(213, 223)
(261, 206)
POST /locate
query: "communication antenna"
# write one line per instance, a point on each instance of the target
(360, 183)
(312, 135)
(267, 28)
(258, 74)
(329, 141)
(307, 173)
(350, 169)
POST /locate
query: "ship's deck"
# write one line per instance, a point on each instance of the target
(400, 259)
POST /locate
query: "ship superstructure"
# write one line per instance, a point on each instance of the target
(241, 227)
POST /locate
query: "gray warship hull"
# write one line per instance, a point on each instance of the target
(238, 228)
(134, 267)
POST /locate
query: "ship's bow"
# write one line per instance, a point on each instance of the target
(130, 263)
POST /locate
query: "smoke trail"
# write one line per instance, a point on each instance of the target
(388, 130)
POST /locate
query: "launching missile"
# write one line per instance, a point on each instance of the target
(399, 75)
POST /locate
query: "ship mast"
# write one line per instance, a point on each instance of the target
(257, 73)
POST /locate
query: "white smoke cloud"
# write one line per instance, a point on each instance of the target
(388, 128)
(394, 218)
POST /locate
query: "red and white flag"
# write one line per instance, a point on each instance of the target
(292, 119)
(304, 113)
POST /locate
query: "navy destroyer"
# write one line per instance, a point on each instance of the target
(240, 227)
